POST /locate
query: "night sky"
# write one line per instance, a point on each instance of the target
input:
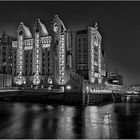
(119, 24)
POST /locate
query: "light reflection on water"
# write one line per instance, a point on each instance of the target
(24, 120)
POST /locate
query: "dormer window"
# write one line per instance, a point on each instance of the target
(20, 33)
(37, 30)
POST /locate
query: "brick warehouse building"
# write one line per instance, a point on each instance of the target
(88, 57)
(40, 58)
(6, 60)
(55, 57)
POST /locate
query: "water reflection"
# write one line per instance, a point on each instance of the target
(24, 120)
(65, 123)
(97, 122)
(128, 120)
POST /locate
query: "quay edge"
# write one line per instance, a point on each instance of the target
(60, 97)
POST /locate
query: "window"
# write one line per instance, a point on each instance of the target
(96, 69)
(79, 67)
(96, 49)
(43, 71)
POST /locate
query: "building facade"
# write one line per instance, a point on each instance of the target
(40, 58)
(32, 55)
(55, 57)
(6, 53)
(6, 60)
(88, 58)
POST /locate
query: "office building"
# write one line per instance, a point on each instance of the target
(115, 78)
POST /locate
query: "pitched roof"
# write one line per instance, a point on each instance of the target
(25, 29)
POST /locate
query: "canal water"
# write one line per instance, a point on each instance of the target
(26, 120)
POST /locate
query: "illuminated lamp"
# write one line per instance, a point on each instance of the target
(87, 88)
(68, 87)
(49, 88)
(49, 80)
(37, 81)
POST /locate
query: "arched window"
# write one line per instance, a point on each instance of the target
(37, 30)
(21, 33)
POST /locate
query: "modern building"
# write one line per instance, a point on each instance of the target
(115, 78)
(88, 58)
(114, 82)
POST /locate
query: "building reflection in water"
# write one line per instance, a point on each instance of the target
(23, 120)
(78, 123)
(15, 123)
(98, 122)
(128, 120)
(65, 123)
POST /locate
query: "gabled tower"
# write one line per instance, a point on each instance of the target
(41, 40)
(94, 55)
(60, 49)
(23, 33)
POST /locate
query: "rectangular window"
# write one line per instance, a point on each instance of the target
(96, 69)
(79, 67)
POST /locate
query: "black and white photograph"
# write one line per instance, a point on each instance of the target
(69, 69)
